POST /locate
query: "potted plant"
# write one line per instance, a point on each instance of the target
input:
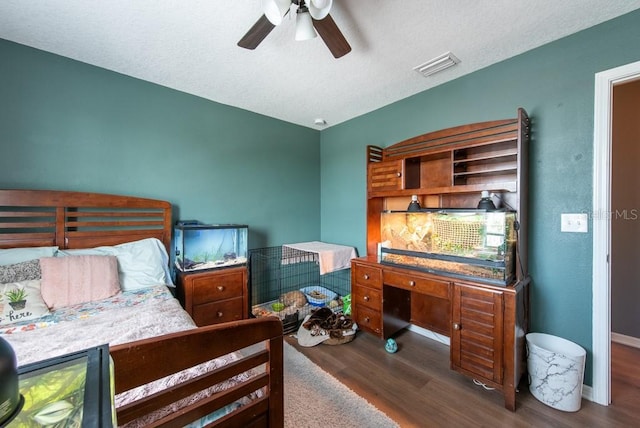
(17, 298)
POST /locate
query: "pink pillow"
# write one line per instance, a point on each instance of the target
(78, 279)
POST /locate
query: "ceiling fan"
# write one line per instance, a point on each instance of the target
(310, 14)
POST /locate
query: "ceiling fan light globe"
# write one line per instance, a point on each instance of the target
(275, 10)
(321, 3)
(319, 9)
(304, 26)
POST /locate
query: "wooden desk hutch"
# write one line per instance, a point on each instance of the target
(486, 323)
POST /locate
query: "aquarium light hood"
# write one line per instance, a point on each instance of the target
(451, 210)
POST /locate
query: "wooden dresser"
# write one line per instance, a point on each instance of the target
(486, 323)
(214, 296)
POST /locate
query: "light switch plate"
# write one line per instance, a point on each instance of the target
(574, 223)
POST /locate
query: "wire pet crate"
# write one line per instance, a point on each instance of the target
(286, 282)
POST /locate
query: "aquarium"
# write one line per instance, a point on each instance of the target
(210, 246)
(72, 390)
(470, 244)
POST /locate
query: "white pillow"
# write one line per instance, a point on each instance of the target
(18, 255)
(141, 264)
(30, 307)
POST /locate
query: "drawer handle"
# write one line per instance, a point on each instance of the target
(220, 287)
(366, 298)
(220, 314)
(399, 174)
(456, 326)
(366, 276)
(412, 283)
(366, 319)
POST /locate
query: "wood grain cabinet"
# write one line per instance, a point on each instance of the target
(366, 297)
(476, 336)
(447, 169)
(487, 335)
(385, 176)
(214, 296)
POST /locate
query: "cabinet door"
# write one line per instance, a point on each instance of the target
(385, 176)
(477, 332)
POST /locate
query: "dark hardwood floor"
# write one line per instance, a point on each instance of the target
(416, 388)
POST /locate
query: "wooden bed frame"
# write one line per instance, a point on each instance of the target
(33, 218)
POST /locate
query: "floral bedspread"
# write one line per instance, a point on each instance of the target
(125, 299)
(123, 318)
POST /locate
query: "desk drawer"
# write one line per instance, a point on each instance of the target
(418, 284)
(367, 276)
(369, 320)
(365, 296)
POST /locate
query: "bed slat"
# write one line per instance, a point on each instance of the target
(253, 415)
(194, 346)
(158, 400)
(28, 240)
(141, 362)
(210, 404)
(79, 219)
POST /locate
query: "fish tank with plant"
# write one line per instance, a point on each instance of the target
(209, 246)
(464, 243)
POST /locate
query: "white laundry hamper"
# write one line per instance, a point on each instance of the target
(556, 371)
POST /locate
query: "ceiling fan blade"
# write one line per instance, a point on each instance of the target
(332, 36)
(257, 33)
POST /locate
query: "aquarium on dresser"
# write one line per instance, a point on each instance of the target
(469, 244)
(209, 246)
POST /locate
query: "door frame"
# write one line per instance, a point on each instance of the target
(601, 221)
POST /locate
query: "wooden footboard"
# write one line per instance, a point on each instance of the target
(138, 363)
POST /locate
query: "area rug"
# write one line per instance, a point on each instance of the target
(314, 398)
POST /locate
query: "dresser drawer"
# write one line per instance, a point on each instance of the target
(365, 296)
(368, 319)
(210, 288)
(367, 276)
(418, 284)
(217, 312)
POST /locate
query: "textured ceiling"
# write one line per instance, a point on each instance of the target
(190, 45)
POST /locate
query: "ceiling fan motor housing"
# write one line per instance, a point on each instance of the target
(324, 25)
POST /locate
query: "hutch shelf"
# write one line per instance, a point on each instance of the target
(448, 169)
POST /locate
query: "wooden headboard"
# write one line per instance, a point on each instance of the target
(35, 218)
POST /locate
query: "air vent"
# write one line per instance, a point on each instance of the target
(437, 64)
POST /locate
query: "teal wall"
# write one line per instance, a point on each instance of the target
(68, 125)
(555, 84)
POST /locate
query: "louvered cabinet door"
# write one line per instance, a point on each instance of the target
(384, 176)
(477, 333)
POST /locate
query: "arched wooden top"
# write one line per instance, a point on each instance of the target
(474, 134)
